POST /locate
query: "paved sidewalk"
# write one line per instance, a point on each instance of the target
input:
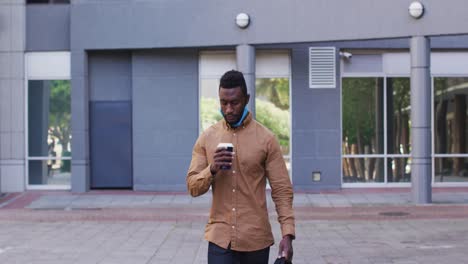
(119, 227)
(130, 199)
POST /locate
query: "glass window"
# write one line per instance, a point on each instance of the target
(399, 169)
(47, 1)
(209, 103)
(272, 108)
(49, 132)
(357, 170)
(450, 129)
(453, 169)
(398, 116)
(450, 115)
(376, 130)
(362, 113)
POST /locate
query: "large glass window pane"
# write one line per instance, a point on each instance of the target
(450, 116)
(398, 116)
(272, 108)
(49, 132)
(209, 103)
(399, 170)
(451, 169)
(363, 170)
(363, 115)
(49, 172)
(49, 116)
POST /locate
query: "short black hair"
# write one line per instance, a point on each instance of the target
(233, 79)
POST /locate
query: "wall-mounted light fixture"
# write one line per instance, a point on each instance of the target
(242, 20)
(416, 9)
(316, 176)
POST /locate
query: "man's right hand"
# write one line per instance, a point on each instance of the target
(221, 158)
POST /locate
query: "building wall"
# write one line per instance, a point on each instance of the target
(165, 117)
(12, 43)
(110, 76)
(48, 27)
(315, 128)
(165, 81)
(167, 24)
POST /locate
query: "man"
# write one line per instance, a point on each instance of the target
(238, 228)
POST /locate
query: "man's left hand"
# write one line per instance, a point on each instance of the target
(285, 248)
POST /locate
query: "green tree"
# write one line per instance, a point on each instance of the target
(209, 112)
(60, 113)
(276, 119)
(275, 90)
(358, 106)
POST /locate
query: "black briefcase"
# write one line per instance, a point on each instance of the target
(282, 260)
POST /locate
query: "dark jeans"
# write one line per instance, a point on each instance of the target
(219, 255)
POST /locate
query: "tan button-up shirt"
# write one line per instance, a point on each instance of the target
(239, 210)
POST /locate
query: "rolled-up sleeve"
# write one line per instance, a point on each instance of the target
(199, 176)
(281, 187)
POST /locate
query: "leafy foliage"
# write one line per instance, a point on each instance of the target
(60, 113)
(275, 90)
(358, 106)
(274, 118)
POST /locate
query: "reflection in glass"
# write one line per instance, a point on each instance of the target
(450, 116)
(363, 170)
(49, 172)
(399, 170)
(450, 125)
(398, 116)
(209, 103)
(445, 169)
(363, 115)
(49, 115)
(272, 108)
(49, 130)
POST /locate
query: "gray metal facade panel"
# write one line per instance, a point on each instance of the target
(330, 179)
(359, 63)
(165, 117)
(47, 27)
(111, 144)
(316, 134)
(163, 24)
(110, 76)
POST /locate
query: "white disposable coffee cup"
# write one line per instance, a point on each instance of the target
(228, 147)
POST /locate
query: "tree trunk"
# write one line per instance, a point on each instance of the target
(459, 132)
(441, 133)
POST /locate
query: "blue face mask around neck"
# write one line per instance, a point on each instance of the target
(244, 115)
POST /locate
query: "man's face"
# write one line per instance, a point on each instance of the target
(232, 102)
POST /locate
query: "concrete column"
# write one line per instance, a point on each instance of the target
(421, 169)
(12, 93)
(245, 55)
(80, 179)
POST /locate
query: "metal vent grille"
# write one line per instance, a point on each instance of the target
(322, 67)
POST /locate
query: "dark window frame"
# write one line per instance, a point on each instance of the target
(42, 2)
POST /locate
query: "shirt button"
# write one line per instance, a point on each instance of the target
(234, 134)
(233, 190)
(234, 209)
(233, 171)
(233, 227)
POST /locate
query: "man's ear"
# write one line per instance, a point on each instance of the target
(247, 99)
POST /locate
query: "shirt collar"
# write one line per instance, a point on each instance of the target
(245, 123)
